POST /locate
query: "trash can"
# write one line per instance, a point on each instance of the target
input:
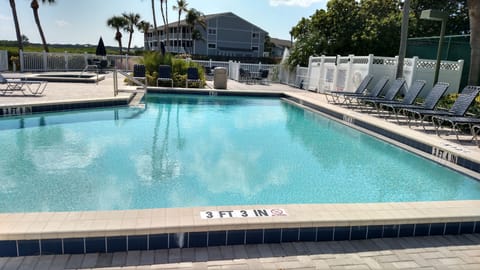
(220, 78)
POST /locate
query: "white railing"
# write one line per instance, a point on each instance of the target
(3, 60)
(324, 73)
(43, 61)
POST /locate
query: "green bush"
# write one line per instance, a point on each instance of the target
(152, 60)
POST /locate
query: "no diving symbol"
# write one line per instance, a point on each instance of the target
(278, 212)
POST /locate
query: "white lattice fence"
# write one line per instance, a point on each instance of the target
(450, 72)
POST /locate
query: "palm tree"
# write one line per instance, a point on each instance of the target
(132, 20)
(17, 25)
(474, 15)
(193, 18)
(117, 22)
(154, 15)
(34, 5)
(143, 27)
(165, 20)
(181, 6)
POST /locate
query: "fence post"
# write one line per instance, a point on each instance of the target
(348, 82)
(45, 63)
(298, 82)
(459, 74)
(321, 80)
(210, 63)
(335, 73)
(85, 58)
(412, 71)
(66, 60)
(309, 74)
(370, 64)
(22, 65)
(396, 66)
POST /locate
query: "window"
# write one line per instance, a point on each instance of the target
(212, 31)
(255, 35)
(212, 45)
(254, 48)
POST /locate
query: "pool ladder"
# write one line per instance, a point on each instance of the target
(139, 93)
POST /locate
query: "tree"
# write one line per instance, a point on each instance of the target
(25, 39)
(17, 25)
(117, 22)
(143, 27)
(154, 23)
(380, 29)
(268, 44)
(154, 15)
(474, 14)
(194, 18)
(368, 27)
(35, 6)
(180, 7)
(132, 20)
(457, 21)
(165, 20)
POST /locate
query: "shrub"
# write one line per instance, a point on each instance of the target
(152, 60)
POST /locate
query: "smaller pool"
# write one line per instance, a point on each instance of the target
(75, 77)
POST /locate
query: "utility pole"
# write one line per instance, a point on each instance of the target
(403, 38)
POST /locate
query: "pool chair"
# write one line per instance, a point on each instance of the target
(456, 123)
(245, 75)
(165, 74)
(192, 76)
(409, 98)
(262, 77)
(139, 72)
(375, 92)
(391, 93)
(458, 109)
(22, 85)
(431, 100)
(209, 73)
(334, 96)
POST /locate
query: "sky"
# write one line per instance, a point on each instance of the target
(83, 22)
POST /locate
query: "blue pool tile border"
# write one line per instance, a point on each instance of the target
(110, 244)
(29, 109)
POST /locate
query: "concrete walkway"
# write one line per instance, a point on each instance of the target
(442, 252)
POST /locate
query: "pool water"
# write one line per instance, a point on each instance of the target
(185, 151)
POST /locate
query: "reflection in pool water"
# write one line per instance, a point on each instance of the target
(202, 151)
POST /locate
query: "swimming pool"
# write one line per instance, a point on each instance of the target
(187, 151)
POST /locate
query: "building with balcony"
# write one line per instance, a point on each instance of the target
(226, 34)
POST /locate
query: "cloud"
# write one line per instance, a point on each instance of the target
(62, 23)
(301, 3)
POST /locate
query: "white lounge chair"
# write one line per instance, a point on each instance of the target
(21, 85)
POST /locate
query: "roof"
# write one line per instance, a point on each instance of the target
(281, 42)
(208, 17)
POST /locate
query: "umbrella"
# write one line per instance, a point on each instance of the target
(101, 51)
